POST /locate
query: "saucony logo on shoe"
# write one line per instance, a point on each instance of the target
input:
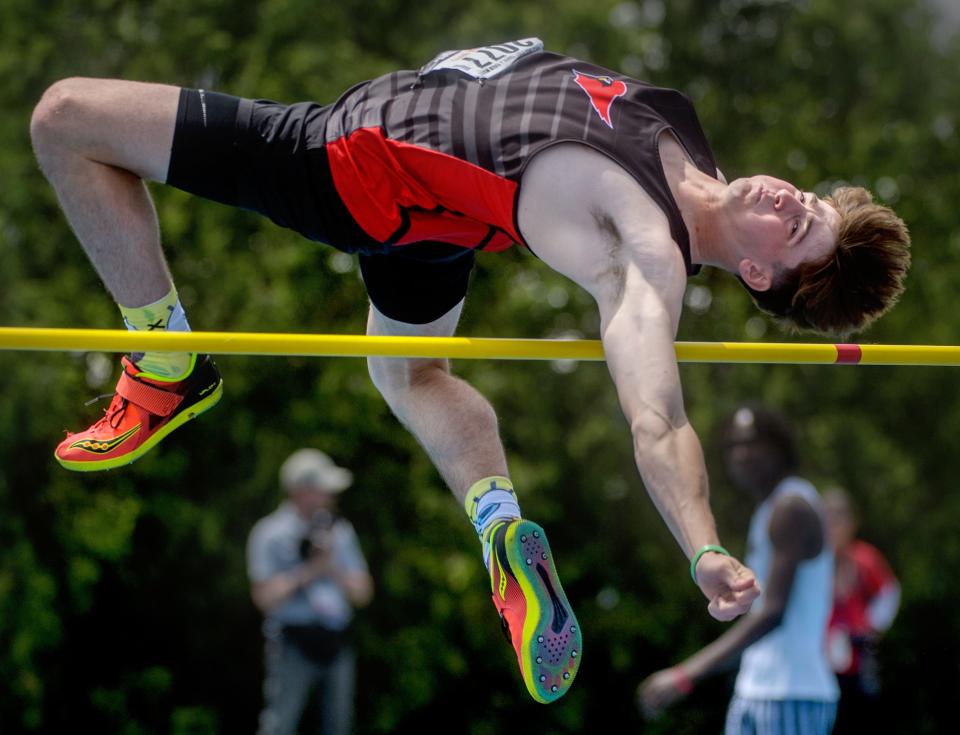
(143, 411)
(502, 587)
(100, 446)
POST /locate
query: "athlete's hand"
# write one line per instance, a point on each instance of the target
(728, 584)
(658, 691)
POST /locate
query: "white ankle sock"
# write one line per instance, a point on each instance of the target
(490, 501)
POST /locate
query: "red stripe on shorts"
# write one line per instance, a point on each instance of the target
(443, 197)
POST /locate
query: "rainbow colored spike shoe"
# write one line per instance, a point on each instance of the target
(143, 411)
(537, 619)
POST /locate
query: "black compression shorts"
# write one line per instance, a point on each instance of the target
(254, 154)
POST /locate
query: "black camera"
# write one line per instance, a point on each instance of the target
(318, 535)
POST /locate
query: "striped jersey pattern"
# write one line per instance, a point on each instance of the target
(439, 156)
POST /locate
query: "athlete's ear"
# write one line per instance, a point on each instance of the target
(754, 276)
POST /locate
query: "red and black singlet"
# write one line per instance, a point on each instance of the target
(438, 156)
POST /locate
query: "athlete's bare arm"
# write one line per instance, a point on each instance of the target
(796, 535)
(586, 218)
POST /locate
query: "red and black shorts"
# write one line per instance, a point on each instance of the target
(259, 155)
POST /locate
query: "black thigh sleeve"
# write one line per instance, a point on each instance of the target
(256, 154)
(417, 283)
(205, 159)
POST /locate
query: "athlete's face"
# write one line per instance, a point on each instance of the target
(778, 227)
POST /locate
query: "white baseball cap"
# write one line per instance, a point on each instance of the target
(311, 468)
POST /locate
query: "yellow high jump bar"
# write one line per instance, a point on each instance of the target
(336, 345)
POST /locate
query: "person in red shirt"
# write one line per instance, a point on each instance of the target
(866, 600)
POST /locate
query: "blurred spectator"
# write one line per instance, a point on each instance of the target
(308, 574)
(866, 597)
(785, 684)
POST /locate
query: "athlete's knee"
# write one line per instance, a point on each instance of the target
(398, 379)
(389, 383)
(57, 112)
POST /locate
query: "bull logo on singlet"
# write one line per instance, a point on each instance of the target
(602, 91)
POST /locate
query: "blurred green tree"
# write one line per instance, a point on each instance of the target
(123, 598)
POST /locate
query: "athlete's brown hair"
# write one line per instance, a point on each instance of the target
(857, 283)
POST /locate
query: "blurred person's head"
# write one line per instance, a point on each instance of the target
(759, 448)
(312, 481)
(841, 517)
(841, 266)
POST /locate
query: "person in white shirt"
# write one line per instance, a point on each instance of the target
(785, 683)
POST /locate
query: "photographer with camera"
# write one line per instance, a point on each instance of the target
(307, 575)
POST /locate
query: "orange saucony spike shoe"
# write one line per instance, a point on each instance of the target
(537, 619)
(142, 412)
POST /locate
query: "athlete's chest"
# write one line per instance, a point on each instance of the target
(587, 217)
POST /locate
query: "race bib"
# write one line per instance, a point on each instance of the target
(483, 62)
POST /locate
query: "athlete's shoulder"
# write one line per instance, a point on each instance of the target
(795, 485)
(585, 216)
(793, 508)
(587, 184)
(796, 525)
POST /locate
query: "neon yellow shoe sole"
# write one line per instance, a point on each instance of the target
(549, 643)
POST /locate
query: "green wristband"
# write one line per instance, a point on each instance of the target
(704, 550)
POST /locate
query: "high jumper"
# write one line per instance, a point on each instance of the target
(608, 180)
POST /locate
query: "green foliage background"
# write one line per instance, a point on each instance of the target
(124, 604)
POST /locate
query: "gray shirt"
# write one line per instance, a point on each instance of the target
(274, 547)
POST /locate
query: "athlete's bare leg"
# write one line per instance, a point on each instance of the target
(455, 424)
(96, 141)
(458, 428)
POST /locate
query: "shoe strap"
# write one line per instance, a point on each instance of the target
(156, 400)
